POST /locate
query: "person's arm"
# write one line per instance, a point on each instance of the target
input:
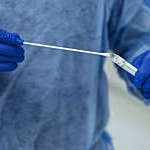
(129, 35)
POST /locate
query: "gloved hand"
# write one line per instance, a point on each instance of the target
(11, 52)
(142, 77)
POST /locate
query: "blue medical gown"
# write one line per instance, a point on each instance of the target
(58, 100)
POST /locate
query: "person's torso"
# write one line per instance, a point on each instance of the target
(55, 99)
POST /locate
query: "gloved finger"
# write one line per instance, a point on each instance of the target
(6, 66)
(137, 63)
(146, 95)
(143, 72)
(146, 86)
(140, 78)
(11, 50)
(11, 59)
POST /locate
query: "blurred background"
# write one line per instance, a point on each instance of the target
(129, 122)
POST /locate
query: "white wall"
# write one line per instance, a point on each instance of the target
(130, 119)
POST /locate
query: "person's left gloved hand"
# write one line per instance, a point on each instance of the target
(142, 77)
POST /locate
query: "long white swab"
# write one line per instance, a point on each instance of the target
(68, 49)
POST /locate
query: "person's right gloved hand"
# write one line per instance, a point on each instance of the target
(11, 52)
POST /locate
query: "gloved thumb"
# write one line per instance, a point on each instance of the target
(10, 38)
(143, 72)
(137, 62)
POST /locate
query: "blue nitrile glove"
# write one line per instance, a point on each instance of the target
(142, 77)
(11, 51)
